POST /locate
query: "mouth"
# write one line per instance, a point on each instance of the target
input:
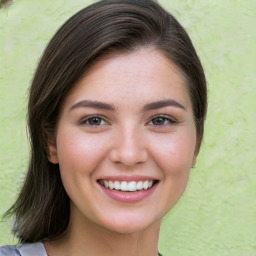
(128, 186)
(128, 189)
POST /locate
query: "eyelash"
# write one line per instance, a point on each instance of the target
(167, 121)
(86, 121)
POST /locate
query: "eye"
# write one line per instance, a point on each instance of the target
(161, 121)
(94, 121)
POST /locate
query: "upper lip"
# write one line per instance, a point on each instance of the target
(128, 178)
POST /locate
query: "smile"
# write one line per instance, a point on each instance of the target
(125, 186)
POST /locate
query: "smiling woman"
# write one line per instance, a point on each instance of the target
(123, 145)
(116, 115)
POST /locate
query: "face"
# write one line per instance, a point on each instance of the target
(126, 141)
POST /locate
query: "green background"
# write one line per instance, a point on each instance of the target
(217, 214)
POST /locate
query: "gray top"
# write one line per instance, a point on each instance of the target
(34, 249)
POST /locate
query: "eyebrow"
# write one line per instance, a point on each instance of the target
(147, 107)
(93, 104)
(161, 104)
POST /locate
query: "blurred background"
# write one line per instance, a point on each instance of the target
(217, 214)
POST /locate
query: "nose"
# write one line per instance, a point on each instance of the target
(129, 147)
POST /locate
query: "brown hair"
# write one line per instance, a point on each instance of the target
(42, 209)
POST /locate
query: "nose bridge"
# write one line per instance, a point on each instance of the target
(129, 147)
(130, 138)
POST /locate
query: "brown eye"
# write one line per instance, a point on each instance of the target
(161, 120)
(93, 121)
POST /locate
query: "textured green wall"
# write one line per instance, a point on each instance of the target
(217, 214)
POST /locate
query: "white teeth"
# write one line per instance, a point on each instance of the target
(132, 186)
(127, 186)
(105, 183)
(111, 184)
(145, 185)
(124, 186)
(140, 185)
(117, 185)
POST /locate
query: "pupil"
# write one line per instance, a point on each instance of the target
(158, 121)
(94, 121)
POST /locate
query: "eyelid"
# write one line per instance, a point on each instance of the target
(86, 118)
(83, 120)
(171, 119)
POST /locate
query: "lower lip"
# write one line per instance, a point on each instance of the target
(128, 197)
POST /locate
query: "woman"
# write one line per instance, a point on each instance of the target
(116, 117)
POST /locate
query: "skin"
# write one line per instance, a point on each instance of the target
(130, 140)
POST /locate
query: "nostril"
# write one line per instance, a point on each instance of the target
(128, 157)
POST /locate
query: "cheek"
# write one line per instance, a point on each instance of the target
(175, 154)
(79, 152)
(177, 168)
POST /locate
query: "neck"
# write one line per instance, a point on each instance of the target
(87, 238)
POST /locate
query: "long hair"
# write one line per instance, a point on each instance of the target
(42, 209)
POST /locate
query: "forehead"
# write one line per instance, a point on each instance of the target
(145, 74)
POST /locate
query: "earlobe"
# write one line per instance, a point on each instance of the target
(52, 149)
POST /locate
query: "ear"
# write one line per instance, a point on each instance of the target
(52, 149)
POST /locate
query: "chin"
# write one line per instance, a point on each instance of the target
(127, 224)
(128, 229)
